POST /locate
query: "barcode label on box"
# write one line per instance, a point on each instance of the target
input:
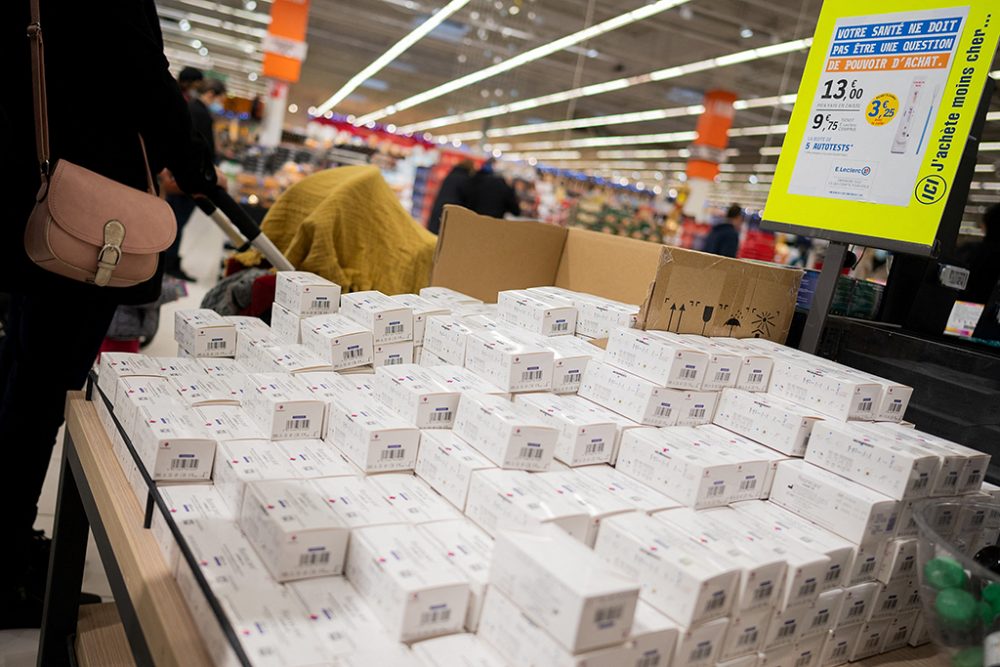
(297, 424)
(907, 565)
(807, 588)
(866, 405)
(320, 303)
(663, 410)
(607, 616)
(821, 618)
(315, 558)
(394, 452)
(764, 591)
(868, 567)
(435, 616)
(716, 490)
(975, 478)
(787, 630)
(896, 406)
(857, 610)
(914, 598)
(183, 464)
(394, 360)
(748, 638)
(531, 452)
(689, 373)
(352, 353)
(839, 651)
(804, 659)
(394, 328)
(748, 484)
(833, 574)
(650, 659)
(573, 377)
(920, 482)
(872, 642)
(901, 634)
(697, 412)
(561, 325)
(723, 375)
(951, 479)
(217, 344)
(531, 375)
(717, 601)
(700, 652)
(890, 603)
(756, 377)
(442, 416)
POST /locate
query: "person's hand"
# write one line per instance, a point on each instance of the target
(168, 184)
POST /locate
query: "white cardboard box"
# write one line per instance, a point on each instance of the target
(584, 439)
(515, 499)
(350, 631)
(226, 422)
(537, 313)
(842, 506)
(882, 464)
(201, 390)
(447, 337)
(630, 396)
(754, 367)
(204, 333)
(468, 649)
(135, 392)
(448, 296)
(417, 396)
(697, 408)
(306, 294)
(388, 321)
(290, 358)
(241, 461)
(358, 501)
(176, 366)
(870, 640)
(414, 499)
(422, 310)
(664, 362)
(293, 531)
(785, 626)
(286, 324)
(313, 459)
(508, 435)
(858, 602)
(831, 393)
(751, 469)
(677, 469)
(750, 448)
(447, 463)
(621, 422)
(897, 597)
(509, 362)
(806, 568)
(222, 366)
(597, 317)
(900, 631)
(184, 502)
(839, 644)
(978, 461)
(565, 587)
(372, 437)
(762, 573)
(461, 379)
(745, 634)
(273, 628)
(523, 642)
(340, 341)
(699, 646)
(823, 613)
(591, 495)
(641, 497)
(771, 421)
(172, 445)
(283, 406)
(723, 366)
(413, 589)
(116, 365)
(654, 637)
(676, 579)
(469, 549)
(898, 559)
(953, 464)
(571, 356)
(392, 354)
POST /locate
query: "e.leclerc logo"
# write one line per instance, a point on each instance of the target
(858, 171)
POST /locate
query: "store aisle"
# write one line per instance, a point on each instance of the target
(201, 249)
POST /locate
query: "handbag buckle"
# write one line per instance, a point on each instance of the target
(111, 253)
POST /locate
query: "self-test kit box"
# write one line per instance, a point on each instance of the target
(306, 294)
(413, 589)
(641, 497)
(116, 365)
(136, 392)
(388, 321)
(517, 500)
(771, 421)
(584, 439)
(664, 362)
(171, 445)
(511, 363)
(414, 499)
(204, 333)
(338, 340)
(447, 463)
(422, 310)
(538, 313)
(631, 396)
(508, 435)
(470, 649)
(286, 324)
(565, 587)
(447, 337)
(461, 379)
(357, 501)
(470, 550)
(591, 495)
(371, 436)
(283, 406)
(242, 461)
(417, 396)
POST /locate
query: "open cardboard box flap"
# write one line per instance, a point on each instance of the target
(679, 290)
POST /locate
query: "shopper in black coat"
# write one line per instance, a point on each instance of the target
(486, 193)
(450, 193)
(724, 237)
(93, 50)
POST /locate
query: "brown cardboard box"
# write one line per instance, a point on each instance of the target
(680, 290)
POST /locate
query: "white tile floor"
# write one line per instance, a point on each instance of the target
(201, 250)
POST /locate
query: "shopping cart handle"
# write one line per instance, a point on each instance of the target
(240, 219)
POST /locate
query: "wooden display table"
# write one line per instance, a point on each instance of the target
(155, 621)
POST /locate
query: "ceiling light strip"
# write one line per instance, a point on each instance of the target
(531, 55)
(604, 87)
(394, 52)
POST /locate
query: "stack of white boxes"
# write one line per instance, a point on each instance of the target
(298, 295)
(522, 497)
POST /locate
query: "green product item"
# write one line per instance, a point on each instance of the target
(944, 572)
(956, 607)
(991, 593)
(986, 612)
(968, 657)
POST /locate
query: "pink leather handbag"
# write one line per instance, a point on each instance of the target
(85, 226)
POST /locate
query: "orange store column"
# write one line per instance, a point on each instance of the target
(708, 150)
(284, 50)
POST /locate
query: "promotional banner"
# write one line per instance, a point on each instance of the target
(284, 44)
(881, 120)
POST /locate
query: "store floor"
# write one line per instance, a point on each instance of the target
(201, 249)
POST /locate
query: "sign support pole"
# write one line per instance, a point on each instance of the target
(825, 289)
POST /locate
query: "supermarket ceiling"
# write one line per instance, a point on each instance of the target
(625, 99)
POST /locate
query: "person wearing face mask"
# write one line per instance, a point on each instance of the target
(204, 98)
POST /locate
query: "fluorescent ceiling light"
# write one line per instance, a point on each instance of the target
(553, 155)
(531, 55)
(770, 150)
(990, 146)
(628, 140)
(985, 168)
(993, 115)
(600, 88)
(394, 52)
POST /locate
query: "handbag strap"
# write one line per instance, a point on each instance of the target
(41, 103)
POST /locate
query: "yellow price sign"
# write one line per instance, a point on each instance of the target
(882, 109)
(881, 119)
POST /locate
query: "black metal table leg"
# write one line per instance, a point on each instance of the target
(65, 577)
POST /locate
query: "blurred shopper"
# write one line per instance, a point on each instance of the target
(450, 193)
(56, 325)
(724, 238)
(487, 193)
(983, 259)
(205, 97)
